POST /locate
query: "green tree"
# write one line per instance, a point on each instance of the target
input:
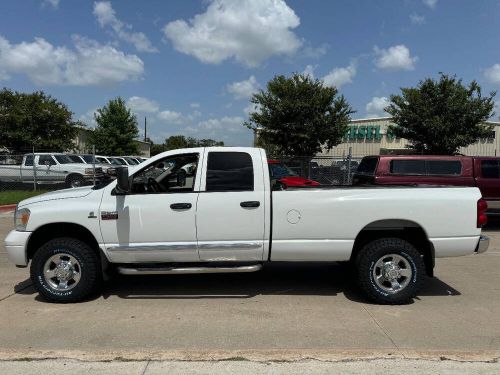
(35, 119)
(299, 116)
(440, 116)
(209, 143)
(179, 141)
(116, 129)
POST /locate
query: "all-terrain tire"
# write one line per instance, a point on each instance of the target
(368, 261)
(88, 267)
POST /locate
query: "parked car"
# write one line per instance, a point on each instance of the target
(284, 176)
(227, 219)
(480, 171)
(99, 162)
(50, 168)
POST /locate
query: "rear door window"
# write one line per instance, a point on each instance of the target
(28, 161)
(414, 167)
(444, 167)
(229, 171)
(424, 167)
(489, 169)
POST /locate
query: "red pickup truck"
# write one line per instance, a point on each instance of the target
(480, 171)
(285, 176)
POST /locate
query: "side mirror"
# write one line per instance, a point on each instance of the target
(122, 181)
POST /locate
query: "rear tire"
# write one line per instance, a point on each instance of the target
(65, 270)
(390, 271)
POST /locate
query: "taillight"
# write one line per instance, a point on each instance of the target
(482, 219)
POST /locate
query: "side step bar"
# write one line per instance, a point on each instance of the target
(186, 270)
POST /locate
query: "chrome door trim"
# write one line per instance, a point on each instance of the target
(153, 247)
(212, 245)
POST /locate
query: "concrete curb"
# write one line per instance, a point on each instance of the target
(7, 208)
(250, 355)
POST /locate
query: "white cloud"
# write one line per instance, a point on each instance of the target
(106, 16)
(243, 89)
(496, 109)
(88, 118)
(375, 107)
(250, 31)
(309, 71)
(417, 19)
(195, 105)
(89, 63)
(226, 123)
(340, 76)
(315, 52)
(53, 3)
(251, 107)
(142, 105)
(170, 117)
(430, 3)
(492, 74)
(394, 58)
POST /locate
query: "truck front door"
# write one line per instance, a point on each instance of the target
(230, 215)
(155, 222)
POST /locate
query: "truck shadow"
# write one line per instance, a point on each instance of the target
(315, 279)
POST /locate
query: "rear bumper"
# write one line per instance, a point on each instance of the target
(483, 244)
(16, 243)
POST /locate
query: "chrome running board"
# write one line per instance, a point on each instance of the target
(186, 270)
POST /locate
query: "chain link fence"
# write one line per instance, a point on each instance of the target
(327, 170)
(39, 170)
(26, 174)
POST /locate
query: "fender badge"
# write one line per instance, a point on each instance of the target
(92, 215)
(109, 215)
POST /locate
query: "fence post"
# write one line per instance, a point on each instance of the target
(93, 163)
(34, 170)
(349, 157)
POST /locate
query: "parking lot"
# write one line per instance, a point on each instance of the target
(281, 313)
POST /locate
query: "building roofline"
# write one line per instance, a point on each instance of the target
(372, 118)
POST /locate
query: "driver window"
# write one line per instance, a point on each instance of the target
(173, 174)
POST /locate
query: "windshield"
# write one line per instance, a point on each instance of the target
(131, 161)
(63, 159)
(101, 160)
(280, 171)
(75, 158)
(88, 159)
(117, 161)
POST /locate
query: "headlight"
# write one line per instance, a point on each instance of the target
(89, 171)
(21, 219)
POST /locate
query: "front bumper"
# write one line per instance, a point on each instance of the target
(482, 245)
(16, 245)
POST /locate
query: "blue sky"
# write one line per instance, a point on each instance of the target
(190, 66)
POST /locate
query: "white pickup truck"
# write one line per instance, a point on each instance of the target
(220, 215)
(48, 169)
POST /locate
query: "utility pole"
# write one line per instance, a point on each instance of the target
(145, 128)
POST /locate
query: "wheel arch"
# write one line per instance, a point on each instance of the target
(406, 230)
(46, 232)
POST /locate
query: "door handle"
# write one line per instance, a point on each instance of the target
(250, 204)
(180, 206)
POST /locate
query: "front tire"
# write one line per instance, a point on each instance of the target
(74, 181)
(390, 271)
(65, 270)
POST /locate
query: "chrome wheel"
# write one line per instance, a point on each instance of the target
(75, 183)
(62, 272)
(392, 273)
